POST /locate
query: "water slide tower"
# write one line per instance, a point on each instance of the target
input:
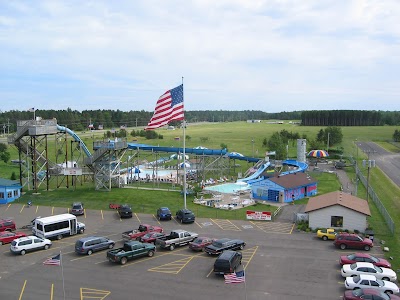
(301, 150)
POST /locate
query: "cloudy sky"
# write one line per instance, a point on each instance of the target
(233, 54)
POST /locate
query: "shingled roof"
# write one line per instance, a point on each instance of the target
(7, 182)
(293, 180)
(338, 198)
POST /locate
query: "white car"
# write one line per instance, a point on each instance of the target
(29, 243)
(363, 281)
(369, 269)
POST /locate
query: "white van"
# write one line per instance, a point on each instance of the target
(57, 226)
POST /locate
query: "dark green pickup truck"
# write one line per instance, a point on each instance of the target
(130, 250)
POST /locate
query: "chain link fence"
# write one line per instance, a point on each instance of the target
(372, 195)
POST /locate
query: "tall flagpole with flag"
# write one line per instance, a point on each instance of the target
(184, 157)
(169, 107)
(57, 261)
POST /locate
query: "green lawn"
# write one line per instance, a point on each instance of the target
(237, 136)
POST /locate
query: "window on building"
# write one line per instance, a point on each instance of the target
(1, 195)
(9, 194)
(337, 221)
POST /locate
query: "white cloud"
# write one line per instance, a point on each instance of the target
(266, 55)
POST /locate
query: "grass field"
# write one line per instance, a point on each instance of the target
(238, 137)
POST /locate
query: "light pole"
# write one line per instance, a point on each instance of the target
(327, 146)
(252, 142)
(370, 163)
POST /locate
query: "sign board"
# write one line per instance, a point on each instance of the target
(258, 215)
(73, 172)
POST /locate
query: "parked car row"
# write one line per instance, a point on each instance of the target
(345, 240)
(368, 277)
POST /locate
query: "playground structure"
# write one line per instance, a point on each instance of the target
(74, 163)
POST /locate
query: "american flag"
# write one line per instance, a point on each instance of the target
(53, 261)
(169, 108)
(237, 277)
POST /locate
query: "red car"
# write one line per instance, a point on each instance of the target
(364, 257)
(141, 231)
(7, 237)
(368, 294)
(200, 243)
(353, 241)
(151, 237)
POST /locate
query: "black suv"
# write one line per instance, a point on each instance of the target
(227, 262)
(125, 211)
(77, 209)
(185, 216)
(163, 213)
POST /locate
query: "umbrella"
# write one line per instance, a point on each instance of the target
(136, 170)
(318, 153)
(187, 165)
(237, 154)
(180, 156)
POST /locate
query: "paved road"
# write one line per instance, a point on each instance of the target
(388, 162)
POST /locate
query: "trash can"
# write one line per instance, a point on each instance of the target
(369, 234)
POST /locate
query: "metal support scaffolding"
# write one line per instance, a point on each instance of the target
(107, 167)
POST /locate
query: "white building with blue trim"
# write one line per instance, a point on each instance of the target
(9, 190)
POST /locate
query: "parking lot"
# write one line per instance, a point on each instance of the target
(279, 263)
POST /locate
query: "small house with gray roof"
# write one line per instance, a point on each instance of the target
(9, 190)
(284, 188)
(338, 210)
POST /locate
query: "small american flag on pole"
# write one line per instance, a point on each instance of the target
(53, 261)
(169, 108)
(237, 277)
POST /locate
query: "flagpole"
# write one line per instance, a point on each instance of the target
(62, 273)
(184, 157)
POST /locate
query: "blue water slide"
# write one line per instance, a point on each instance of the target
(196, 151)
(241, 157)
(76, 138)
(256, 174)
(300, 166)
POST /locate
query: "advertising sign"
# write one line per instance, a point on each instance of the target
(73, 172)
(258, 215)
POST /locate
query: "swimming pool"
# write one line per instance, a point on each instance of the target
(228, 188)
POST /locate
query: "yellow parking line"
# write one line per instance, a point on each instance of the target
(52, 210)
(84, 212)
(156, 219)
(198, 224)
(8, 207)
(22, 208)
(251, 257)
(68, 209)
(137, 218)
(209, 273)
(52, 291)
(102, 216)
(22, 291)
(292, 228)
(37, 208)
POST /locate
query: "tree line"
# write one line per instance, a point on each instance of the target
(115, 119)
(349, 118)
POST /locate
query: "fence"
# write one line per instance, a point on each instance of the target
(372, 195)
